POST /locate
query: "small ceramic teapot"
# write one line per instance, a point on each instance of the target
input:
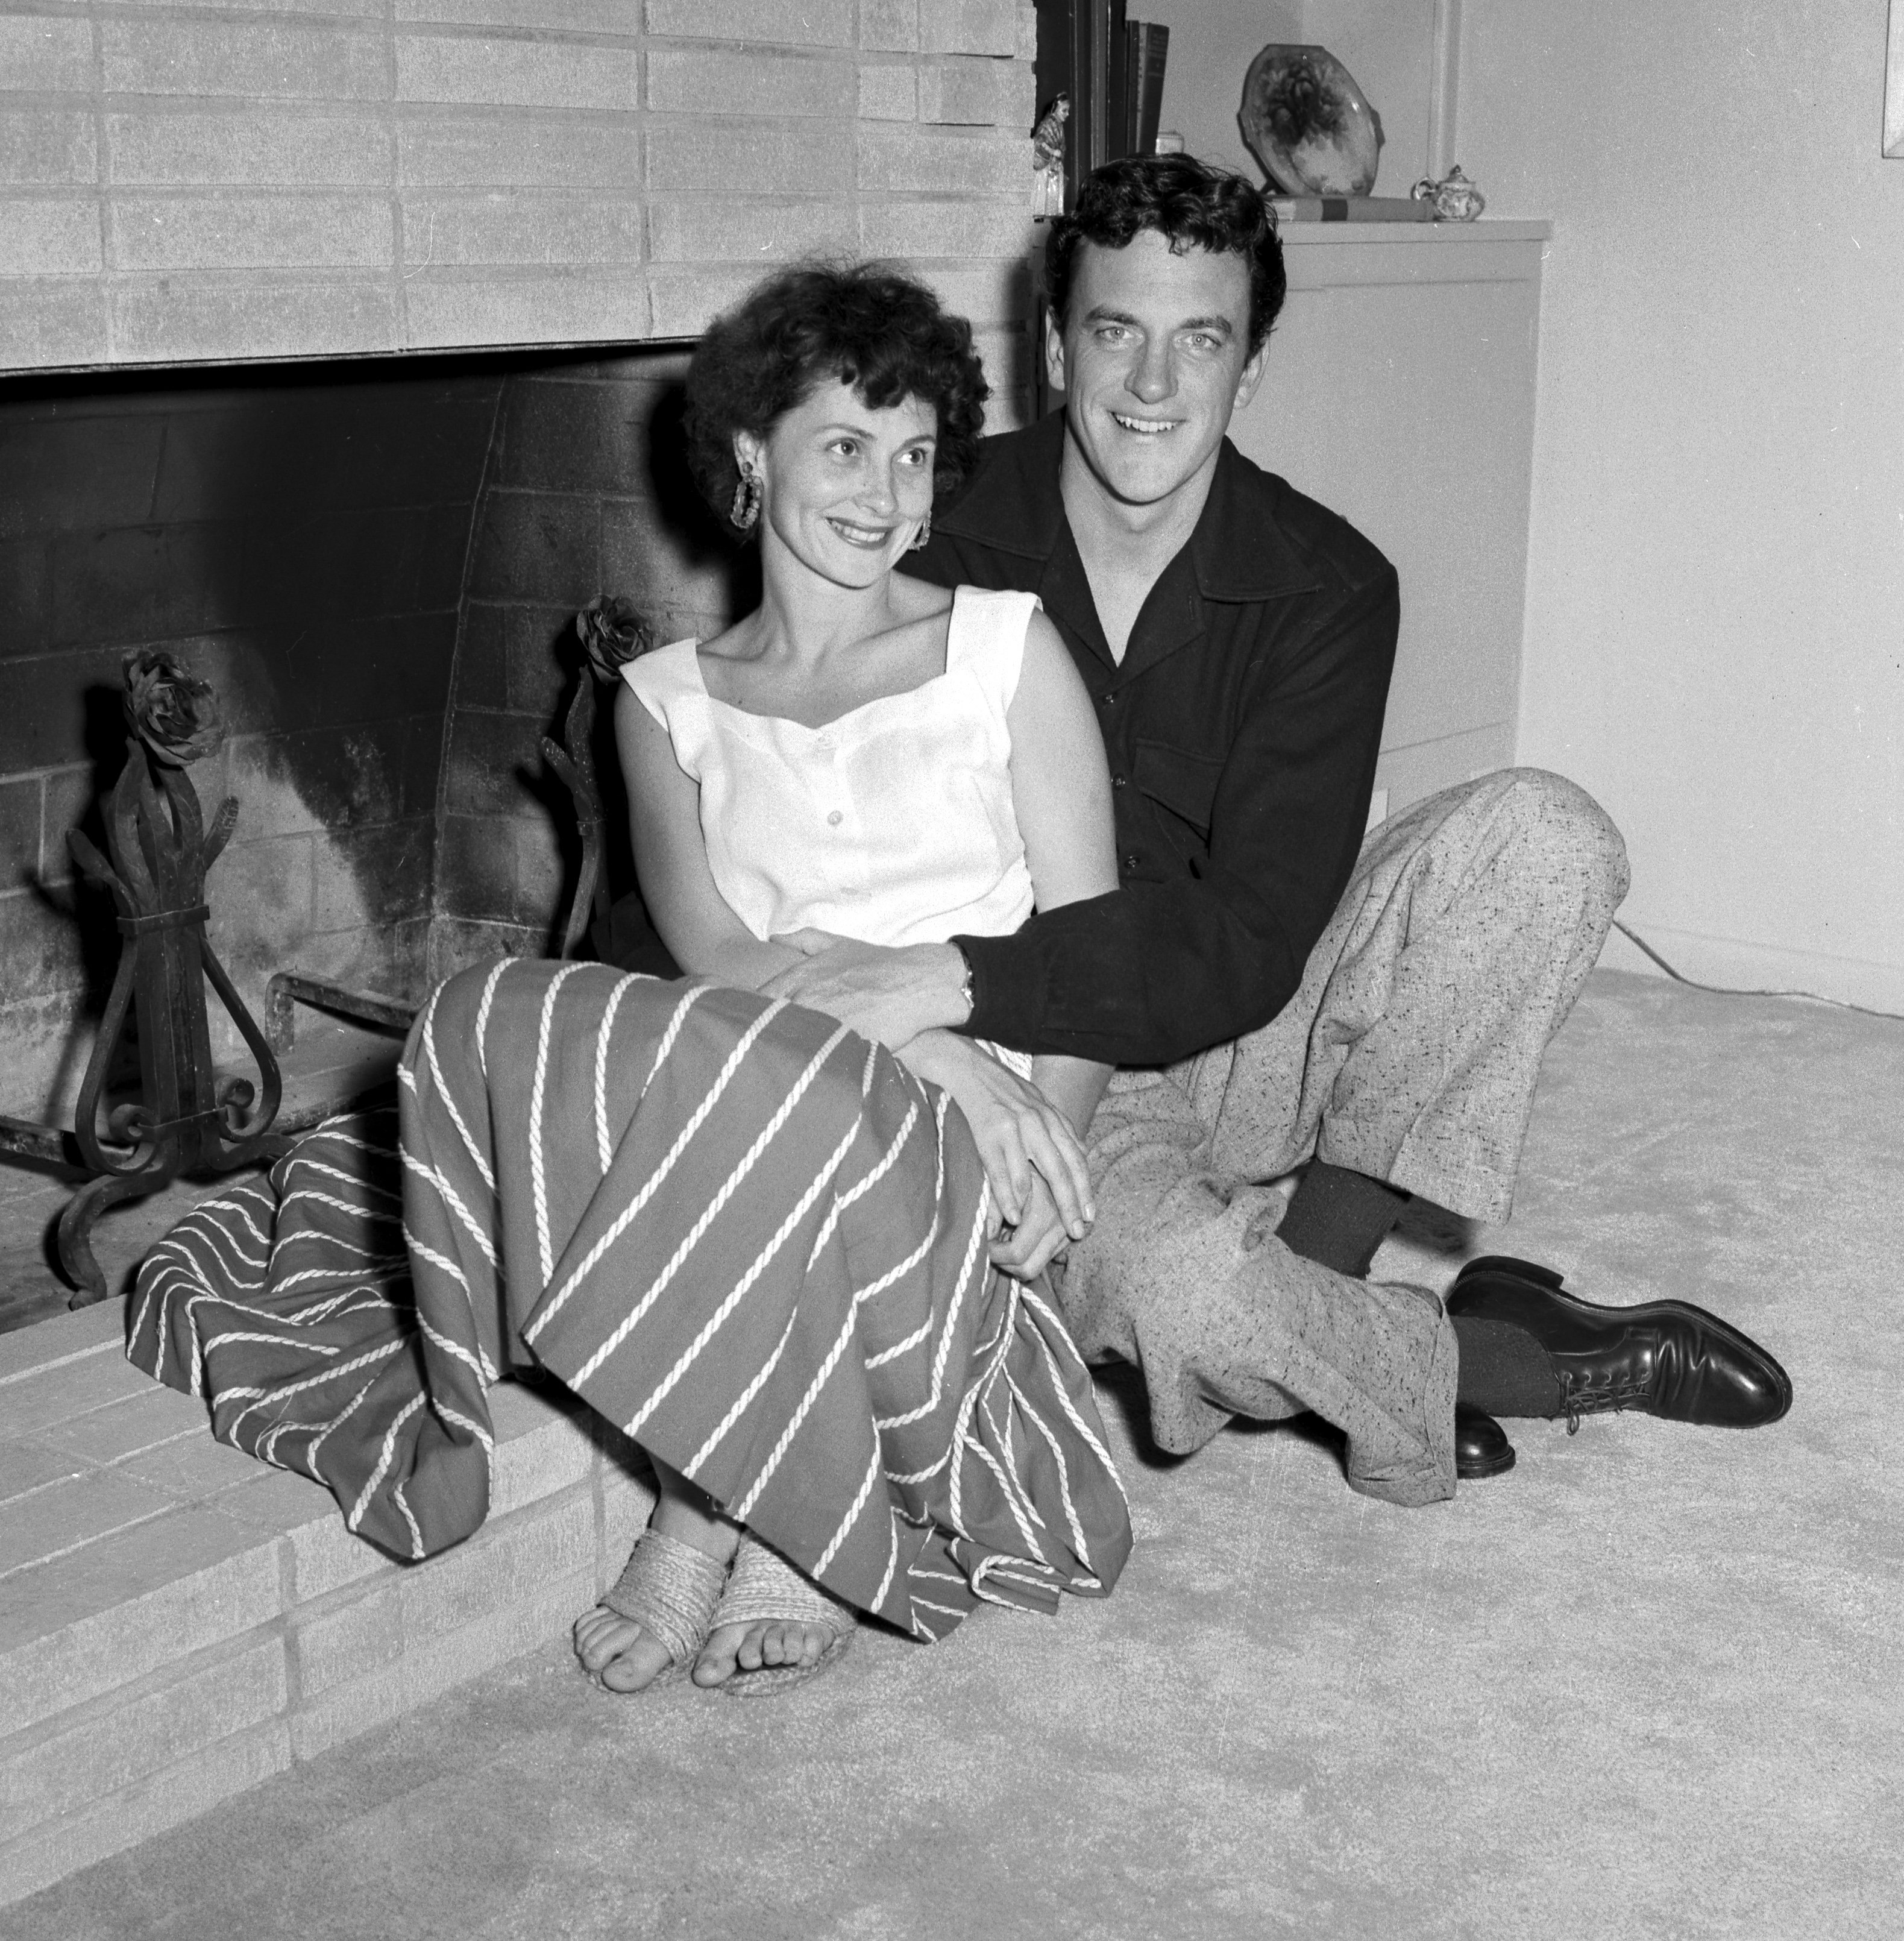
(1454, 198)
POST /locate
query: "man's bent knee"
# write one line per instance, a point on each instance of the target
(1571, 832)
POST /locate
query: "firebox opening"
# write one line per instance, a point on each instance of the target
(376, 563)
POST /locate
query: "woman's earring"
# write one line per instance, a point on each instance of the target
(924, 534)
(747, 501)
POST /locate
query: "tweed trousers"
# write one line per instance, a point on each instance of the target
(1410, 1053)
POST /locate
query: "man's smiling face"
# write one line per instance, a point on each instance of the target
(1154, 356)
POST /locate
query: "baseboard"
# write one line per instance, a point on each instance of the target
(1732, 963)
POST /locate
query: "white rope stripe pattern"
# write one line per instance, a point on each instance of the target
(489, 983)
(650, 1187)
(432, 1177)
(605, 1152)
(794, 1216)
(710, 1213)
(537, 1182)
(761, 1376)
(851, 1516)
(303, 1163)
(355, 1514)
(981, 1226)
(429, 1036)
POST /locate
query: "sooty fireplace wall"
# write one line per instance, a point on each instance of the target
(303, 544)
(376, 565)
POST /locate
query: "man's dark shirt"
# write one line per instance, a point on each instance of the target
(1241, 730)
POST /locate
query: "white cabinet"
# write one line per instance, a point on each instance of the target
(1400, 392)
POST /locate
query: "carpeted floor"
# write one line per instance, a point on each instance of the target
(1649, 1684)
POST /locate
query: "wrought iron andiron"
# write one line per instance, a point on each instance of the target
(186, 1120)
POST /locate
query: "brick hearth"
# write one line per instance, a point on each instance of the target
(178, 1621)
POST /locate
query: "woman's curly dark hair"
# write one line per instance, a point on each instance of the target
(869, 327)
(1189, 203)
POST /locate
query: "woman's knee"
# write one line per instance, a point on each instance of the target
(465, 1010)
(455, 1004)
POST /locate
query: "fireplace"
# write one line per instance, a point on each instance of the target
(342, 358)
(306, 538)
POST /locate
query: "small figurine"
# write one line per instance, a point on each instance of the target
(1454, 199)
(1048, 159)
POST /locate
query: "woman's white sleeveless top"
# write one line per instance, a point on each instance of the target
(893, 824)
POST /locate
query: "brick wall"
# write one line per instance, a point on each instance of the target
(180, 183)
(303, 545)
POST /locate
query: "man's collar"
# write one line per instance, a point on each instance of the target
(1238, 548)
(1012, 501)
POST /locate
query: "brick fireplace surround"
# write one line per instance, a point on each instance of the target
(340, 344)
(375, 559)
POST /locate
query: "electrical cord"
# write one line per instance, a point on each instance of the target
(1732, 990)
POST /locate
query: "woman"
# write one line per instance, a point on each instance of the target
(863, 754)
(755, 1244)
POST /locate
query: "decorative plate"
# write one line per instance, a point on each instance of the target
(1307, 123)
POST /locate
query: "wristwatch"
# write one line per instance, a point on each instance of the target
(965, 984)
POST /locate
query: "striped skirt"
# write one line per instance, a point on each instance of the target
(749, 1240)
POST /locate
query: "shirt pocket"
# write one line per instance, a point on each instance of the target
(1177, 780)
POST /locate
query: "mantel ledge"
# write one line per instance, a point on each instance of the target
(1306, 235)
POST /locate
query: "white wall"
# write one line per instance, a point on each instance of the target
(1714, 620)
(1715, 631)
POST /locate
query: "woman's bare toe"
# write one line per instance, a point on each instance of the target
(782, 1643)
(719, 1657)
(757, 1647)
(616, 1651)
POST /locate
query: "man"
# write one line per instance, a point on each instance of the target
(1274, 989)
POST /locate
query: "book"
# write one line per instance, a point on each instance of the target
(1147, 46)
(1114, 44)
(1351, 209)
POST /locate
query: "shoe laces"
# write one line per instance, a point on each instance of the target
(1579, 1396)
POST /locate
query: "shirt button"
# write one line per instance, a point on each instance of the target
(1108, 699)
(1118, 781)
(834, 820)
(1130, 861)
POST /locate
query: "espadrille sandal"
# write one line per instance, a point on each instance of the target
(763, 1588)
(672, 1591)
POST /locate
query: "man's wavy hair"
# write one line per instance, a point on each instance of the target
(882, 332)
(1189, 203)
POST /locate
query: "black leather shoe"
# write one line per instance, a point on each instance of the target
(1664, 1358)
(1482, 1447)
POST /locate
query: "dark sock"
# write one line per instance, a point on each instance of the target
(1339, 1217)
(1504, 1370)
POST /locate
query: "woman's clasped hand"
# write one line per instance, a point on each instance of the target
(1040, 1177)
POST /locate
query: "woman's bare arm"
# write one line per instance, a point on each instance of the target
(703, 935)
(1061, 791)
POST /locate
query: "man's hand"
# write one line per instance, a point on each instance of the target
(888, 994)
(1025, 1251)
(1026, 1145)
